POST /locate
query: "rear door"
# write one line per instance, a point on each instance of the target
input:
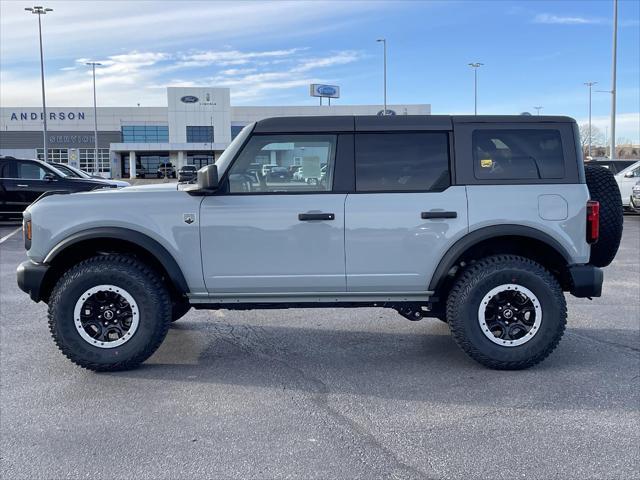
(405, 213)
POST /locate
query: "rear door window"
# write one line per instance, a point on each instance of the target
(30, 171)
(517, 154)
(403, 161)
(8, 169)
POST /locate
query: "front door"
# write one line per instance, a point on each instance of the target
(276, 234)
(24, 182)
(404, 214)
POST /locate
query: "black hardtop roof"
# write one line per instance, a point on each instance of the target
(350, 123)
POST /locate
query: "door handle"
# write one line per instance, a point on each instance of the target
(304, 217)
(432, 215)
(22, 185)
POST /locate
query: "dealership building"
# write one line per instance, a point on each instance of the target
(193, 129)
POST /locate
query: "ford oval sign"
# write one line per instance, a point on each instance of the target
(189, 99)
(319, 90)
(327, 90)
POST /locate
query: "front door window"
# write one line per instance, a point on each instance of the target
(284, 163)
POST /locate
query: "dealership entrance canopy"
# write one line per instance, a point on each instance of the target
(193, 129)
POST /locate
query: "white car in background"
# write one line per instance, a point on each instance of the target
(627, 179)
(634, 199)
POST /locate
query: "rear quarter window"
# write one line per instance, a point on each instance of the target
(517, 154)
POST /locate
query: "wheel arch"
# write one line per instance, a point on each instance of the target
(514, 239)
(97, 240)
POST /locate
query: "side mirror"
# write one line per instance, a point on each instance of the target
(49, 177)
(629, 174)
(208, 178)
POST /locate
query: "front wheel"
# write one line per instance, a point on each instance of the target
(109, 312)
(507, 312)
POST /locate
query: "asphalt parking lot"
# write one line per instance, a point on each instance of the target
(325, 394)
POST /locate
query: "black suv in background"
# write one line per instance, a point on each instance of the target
(166, 170)
(188, 173)
(22, 181)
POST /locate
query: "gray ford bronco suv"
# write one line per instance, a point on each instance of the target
(480, 221)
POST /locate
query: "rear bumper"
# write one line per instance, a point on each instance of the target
(586, 281)
(30, 276)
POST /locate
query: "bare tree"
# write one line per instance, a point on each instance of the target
(597, 139)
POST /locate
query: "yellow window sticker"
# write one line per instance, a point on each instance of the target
(486, 163)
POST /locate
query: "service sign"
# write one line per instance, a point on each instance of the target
(321, 90)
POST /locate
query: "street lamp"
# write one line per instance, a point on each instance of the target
(95, 116)
(590, 85)
(538, 109)
(475, 66)
(613, 79)
(42, 11)
(384, 50)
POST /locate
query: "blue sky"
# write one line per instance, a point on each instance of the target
(535, 53)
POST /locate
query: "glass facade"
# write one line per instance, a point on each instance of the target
(147, 163)
(145, 134)
(56, 155)
(200, 159)
(87, 160)
(199, 134)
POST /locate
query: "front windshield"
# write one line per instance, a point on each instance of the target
(67, 171)
(230, 152)
(55, 170)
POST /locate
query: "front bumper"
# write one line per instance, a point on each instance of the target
(586, 281)
(30, 276)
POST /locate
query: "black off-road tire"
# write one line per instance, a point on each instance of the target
(128, 273)
(179, 309)
(476, 281)
(603, 187)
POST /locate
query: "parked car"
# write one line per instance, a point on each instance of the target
(626, 180)
(187, 173)
(615, 166)
(634, 199)
(481, 222)
(22, 181)
(279, 174)
(70, 171)
(166, 170)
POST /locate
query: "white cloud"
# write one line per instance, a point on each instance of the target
(230, 57)
(140, 76)
(564, 20)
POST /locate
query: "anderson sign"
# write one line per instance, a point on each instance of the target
(21, 116)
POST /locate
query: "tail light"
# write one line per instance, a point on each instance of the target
(593, 221)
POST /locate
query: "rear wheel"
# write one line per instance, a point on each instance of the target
(507, 312)
(109, 313)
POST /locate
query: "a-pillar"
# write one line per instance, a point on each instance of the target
(132, 165)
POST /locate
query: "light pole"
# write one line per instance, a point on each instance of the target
(538, 109)
(95, 116)
(613, 79)
(42, 11)
(475, 66)
(590, 85)
(384, 52)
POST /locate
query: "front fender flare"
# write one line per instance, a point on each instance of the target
(144, 241)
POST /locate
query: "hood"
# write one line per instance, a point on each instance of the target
(154, 187)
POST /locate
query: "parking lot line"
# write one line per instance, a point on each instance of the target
(7, 237)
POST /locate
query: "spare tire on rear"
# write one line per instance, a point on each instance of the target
(604, 189)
